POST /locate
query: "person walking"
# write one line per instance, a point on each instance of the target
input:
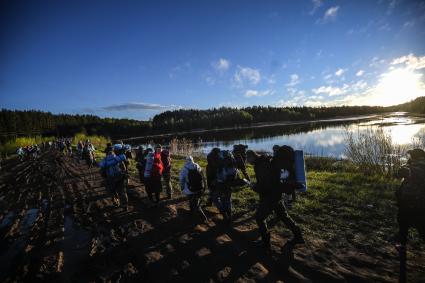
(114, 169)
(192, 184)
(166, 175)
(267, 186)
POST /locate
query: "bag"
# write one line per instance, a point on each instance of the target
(148, 165)
(227, 172)
(195, 179)
(165, 158)
(264, 175)
(283, 163)
(157, 166)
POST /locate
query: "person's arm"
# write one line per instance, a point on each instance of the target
(182, 178)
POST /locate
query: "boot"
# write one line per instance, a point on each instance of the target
(298, 237)
(264, 242)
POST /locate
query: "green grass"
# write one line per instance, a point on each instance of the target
(341, 205)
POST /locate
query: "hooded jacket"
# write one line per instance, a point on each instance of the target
(184, 174)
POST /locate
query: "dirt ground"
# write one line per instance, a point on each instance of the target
(58, 224)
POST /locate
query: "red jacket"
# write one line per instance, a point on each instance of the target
(158, 166)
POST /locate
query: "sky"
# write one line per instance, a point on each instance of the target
(135, 59)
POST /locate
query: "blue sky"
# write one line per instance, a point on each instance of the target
(135, 59)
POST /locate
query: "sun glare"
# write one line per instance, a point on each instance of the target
(396, 87)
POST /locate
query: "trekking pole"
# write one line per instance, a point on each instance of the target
(403, 259)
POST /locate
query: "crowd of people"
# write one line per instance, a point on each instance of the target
(28, 152)
(225, 170)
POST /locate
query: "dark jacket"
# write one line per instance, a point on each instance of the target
(266, 176)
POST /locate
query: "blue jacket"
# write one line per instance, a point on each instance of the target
(111, 164)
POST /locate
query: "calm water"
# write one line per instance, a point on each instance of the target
(320, 138)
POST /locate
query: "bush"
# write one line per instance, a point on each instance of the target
(373, 151)
(11, 146)
(99, 142)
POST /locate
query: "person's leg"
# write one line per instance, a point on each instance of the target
(168, 185)
(192, 203)
(217, 200)
(123, 193)
(228, 203)
(263, 211)
(283, 215)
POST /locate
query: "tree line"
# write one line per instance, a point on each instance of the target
(16, 123)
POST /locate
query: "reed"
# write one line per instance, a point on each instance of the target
(374, 151)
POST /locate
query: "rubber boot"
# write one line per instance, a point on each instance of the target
(298, 237)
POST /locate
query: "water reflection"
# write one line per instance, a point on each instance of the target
(324, 139)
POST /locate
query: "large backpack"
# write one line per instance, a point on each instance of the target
(284, 169)
(227, 171)
(148, 165)
(195, 180)
(264, 175)
(166, 160)
(111, 167)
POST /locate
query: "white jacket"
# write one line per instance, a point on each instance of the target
(184, 174)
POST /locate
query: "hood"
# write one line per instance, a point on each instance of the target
(189, 164)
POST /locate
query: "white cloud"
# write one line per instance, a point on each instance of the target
(136, 106)
(316, 5)
(330, 90)
(376, 62)
(221, 65)
(360, 73)
(339, 72)
(329, 16)
(410, 61)
(256, 93)
(247, 75)
(295, 79)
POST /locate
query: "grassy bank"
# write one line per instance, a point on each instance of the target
(342, 205)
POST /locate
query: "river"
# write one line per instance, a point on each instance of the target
(321, 138)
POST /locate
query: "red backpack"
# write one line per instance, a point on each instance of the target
(158, 166)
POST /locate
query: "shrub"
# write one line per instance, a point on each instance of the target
(373, 151)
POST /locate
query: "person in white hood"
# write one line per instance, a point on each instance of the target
(192, 184)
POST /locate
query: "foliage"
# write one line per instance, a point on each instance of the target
(373, 151)
(12, 145)
(14, 123)
(99, 142)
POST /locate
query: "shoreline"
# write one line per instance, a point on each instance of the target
(264, 125)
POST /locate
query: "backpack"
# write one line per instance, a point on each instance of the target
(148, 166)
(227, 172)
(195, 179)
(165, 158)
(110, 167)
(284, 169)
(264, 174)
(157, 166)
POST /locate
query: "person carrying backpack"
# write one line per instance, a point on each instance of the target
(224, 179)
(192, 184)
(114, 169)
(140, 162)
(239, 152)
(166, 175)
(213, 159)
(268, 187)
(288, 197)
(153, 174)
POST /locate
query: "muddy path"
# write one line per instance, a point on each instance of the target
(58, 224)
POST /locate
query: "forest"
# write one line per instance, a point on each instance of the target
(15, 123)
